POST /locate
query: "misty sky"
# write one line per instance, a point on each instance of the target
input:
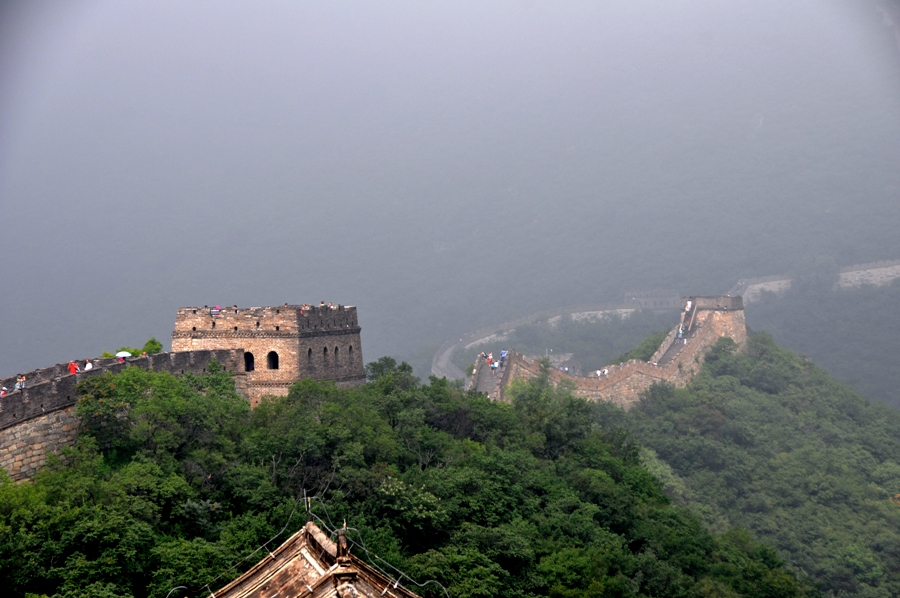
(442, 166)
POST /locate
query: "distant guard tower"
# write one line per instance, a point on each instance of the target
(281, 344)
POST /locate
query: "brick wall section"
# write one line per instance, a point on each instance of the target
(42, 395)
(322, 343)
(878, 273)
(660, 300)
(41, 418)
(667, 342)
(626, 382)
(874, 273)
(24, 448)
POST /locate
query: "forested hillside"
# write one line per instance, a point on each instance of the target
(174, 482)
(853, 333)
(769, 442)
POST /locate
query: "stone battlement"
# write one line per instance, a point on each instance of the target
(267, 348)
(286, 320)
(718, 302)
(41, 418)
(709, 319)
(280, 344)
(53, 387)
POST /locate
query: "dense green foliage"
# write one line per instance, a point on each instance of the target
(853, 333)
(150, 347)
(594, 343)
(174, 480)
(645, 350)
(767, 441)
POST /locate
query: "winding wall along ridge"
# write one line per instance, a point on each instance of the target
(716, 317)
(442, 365)
(874, 273)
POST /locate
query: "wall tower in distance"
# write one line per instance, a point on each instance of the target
(281, 345)
(703, 321)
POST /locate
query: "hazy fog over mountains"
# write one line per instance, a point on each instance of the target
(441, 166)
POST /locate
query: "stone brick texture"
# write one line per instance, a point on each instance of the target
(716, 317)
(281, 344)
(877, 274)
(24, 448)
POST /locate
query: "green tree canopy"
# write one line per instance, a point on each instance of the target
(765, 440)
(174, 481)
(150, 347)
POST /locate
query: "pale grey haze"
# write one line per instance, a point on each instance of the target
(440, 165)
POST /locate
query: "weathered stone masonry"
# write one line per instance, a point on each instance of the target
(281, 344)
(710, 319)
(267, 348)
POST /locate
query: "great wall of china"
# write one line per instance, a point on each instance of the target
(672, 363)
(41, 419)
(679, 357)
(442, 364)
(873, 273)
(266, 349)
(751, 289)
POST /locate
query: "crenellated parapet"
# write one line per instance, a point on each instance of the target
(52, 388)
(267, 348)
(281, 344)
(258, 322)
(41, 418)
(706, 321)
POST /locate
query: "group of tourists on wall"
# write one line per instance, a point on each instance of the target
(20, 385)
(217, 310)
(489, 359)
(322, 305)
(74, 368)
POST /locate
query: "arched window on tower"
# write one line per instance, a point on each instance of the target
(335, 354)
(309, 354)
(248, 361)
(272, 360)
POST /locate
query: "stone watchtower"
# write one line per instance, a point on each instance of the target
(281, 344)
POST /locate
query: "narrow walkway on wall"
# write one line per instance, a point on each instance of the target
(687, 321)
(486, 379)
